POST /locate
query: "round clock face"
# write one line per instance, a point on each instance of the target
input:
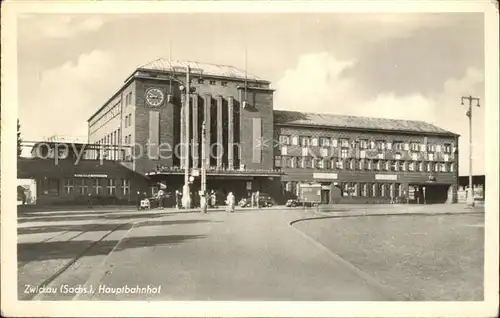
(154, 97)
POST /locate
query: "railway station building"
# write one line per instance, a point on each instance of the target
(251, 146)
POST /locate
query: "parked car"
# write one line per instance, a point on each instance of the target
(265, 200)
(296, 202)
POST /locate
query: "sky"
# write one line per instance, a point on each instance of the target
(402, 66)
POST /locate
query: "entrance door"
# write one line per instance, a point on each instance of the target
(325, 196)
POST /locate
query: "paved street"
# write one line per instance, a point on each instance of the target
(248, 255)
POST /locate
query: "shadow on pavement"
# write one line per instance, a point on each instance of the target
(89, 227)
(28, 252)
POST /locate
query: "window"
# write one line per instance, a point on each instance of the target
(314, 163)
(344, 143)
(277, 161)
(372, 145)
(431, 156)
(443, 167)
(397, 156)
(323, 152)
(420, 166)
(111, 186)
(380, 144)
(97, 186)
(344, 153)
(68, 186)
(295, 140)
(401, 166)
(284, 150)
(414, 156)
(446, 157)
(394, 165)
(438, 148)
(335, 143)
(339, 164)
(387, 166)
(284, 139)
(411, 166)
(305, 151)
(429, 166)
(83, 188)
(314, 141)
(125, 187)
(363, 144)
(293, 162)
(415, 147)
(364, 189)
(451, 167)
(321, 164)
(130, 138)
(325, 142)
(431, 148)
(376, 165)
(212, 82)
(447, 148)
(304, 141)
(436, 167)
(352, 164)
(361, 165)
(383, 190)
(223, 83)
(201, 81)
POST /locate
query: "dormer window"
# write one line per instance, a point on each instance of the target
(201, 81)
(223, 83)
(212, 82)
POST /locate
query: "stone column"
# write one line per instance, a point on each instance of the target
(230, 133)
(194, 146)
(206, 115)
(219, 132)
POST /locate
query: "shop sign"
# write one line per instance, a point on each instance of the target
(389, 177)
(80, 175)
(323, 175)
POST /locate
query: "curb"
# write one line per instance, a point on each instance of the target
(385, 290)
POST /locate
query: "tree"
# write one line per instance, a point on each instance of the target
(19, 140)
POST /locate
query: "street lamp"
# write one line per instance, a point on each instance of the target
(203, 190)
(470, 194)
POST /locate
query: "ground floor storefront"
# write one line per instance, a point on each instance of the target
(371, 188)
(86, 183)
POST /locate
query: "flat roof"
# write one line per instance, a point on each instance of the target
(305, 119)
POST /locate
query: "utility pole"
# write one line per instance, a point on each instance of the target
(203, 194)
(186, 195)
(470, 192)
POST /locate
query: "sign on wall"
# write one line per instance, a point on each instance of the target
(325, 175)
(389, 177)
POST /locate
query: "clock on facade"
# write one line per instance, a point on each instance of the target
(154, 96)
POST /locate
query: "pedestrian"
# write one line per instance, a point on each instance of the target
(139, 199)
(257, 199)
(230, 202)
(213, 199)
(159, 196)
(177, 199)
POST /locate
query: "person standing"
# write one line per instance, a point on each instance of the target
(160, 199)
(139, 199)
(257, 199)
(230, 202)
(177, 199)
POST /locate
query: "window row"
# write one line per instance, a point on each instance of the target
(212, 82)
(363, 144)
(357, 164)
(112, 113)
(98, 186)
(364, 189)
(346, 153)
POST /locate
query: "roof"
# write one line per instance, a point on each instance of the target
(295, 118)
(208, 69)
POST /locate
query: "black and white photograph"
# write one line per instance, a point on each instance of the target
(237, 158)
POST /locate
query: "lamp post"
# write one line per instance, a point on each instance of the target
(203, 192)
(186, 196)
(470, 194)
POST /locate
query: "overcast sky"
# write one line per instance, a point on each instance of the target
(407, 66)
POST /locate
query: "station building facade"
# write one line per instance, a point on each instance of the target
(251, 146)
